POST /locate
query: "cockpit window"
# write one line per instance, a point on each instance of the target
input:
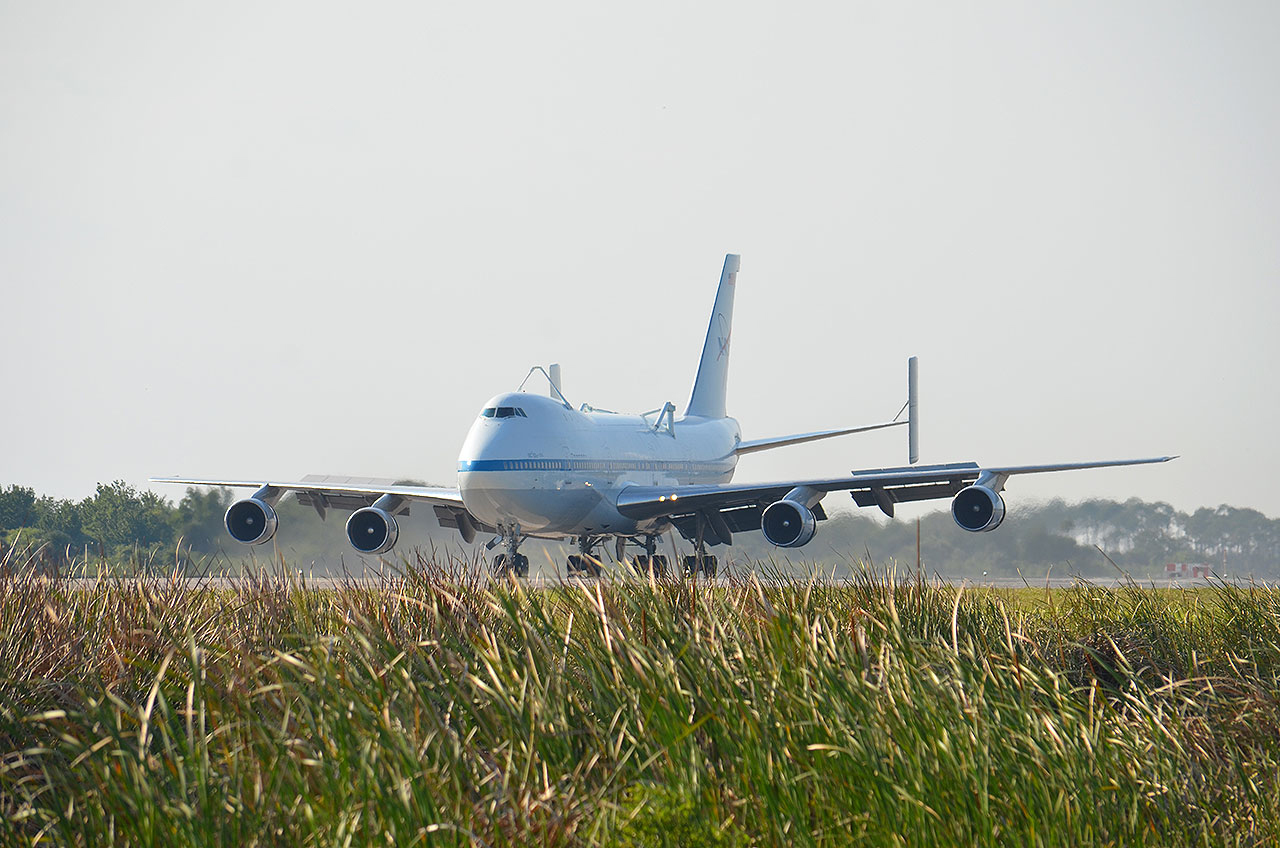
(502, 412)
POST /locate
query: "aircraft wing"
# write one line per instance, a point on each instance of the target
(361, 491)
(882, 487)
(323, 492)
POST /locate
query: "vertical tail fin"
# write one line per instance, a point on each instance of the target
(913, 410)
(709, 387)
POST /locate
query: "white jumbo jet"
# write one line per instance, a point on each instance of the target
(533, 466)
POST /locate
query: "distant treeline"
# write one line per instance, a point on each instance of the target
(117, 523)
(130, 529)
(1090, 538)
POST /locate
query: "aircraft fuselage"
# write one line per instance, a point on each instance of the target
(531, 462)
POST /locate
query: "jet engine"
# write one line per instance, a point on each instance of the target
(978, 509)
(788, 524)
(372, 530)
(251, 521)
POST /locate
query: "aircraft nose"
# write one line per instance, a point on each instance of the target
(487, 439)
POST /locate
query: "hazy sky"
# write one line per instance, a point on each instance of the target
(264, 240)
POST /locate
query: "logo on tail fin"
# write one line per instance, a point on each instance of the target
(725, 333)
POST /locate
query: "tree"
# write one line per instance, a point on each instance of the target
(17, 507)
(61, 520)
(119, 516)
(198, 519)
(1039, 546)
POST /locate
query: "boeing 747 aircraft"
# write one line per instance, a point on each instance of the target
(533, 466)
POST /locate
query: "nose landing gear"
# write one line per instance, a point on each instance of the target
(511, 562)
(517, 565)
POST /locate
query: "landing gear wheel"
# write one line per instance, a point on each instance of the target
(504, 564)
(583, 566)
(708, 568)
(657, 565)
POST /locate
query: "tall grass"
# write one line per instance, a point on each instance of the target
(440, 708)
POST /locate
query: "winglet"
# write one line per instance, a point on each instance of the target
(711, 384)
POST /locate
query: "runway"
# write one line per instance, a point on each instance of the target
(543, 581)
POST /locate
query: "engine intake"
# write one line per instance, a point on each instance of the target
(978, 509)
(251, 521)
(372, 530)
(788, 524)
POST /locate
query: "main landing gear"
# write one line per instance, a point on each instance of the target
(583, 564)
(587, 564)
(649, 562)
(703, 563)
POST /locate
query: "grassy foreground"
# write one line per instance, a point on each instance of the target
(441, 709)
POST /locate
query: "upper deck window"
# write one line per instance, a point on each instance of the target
(502, 412)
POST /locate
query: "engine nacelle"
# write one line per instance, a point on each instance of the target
(978, 509)
(251, 521)
(788, 524)
(372, 530)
